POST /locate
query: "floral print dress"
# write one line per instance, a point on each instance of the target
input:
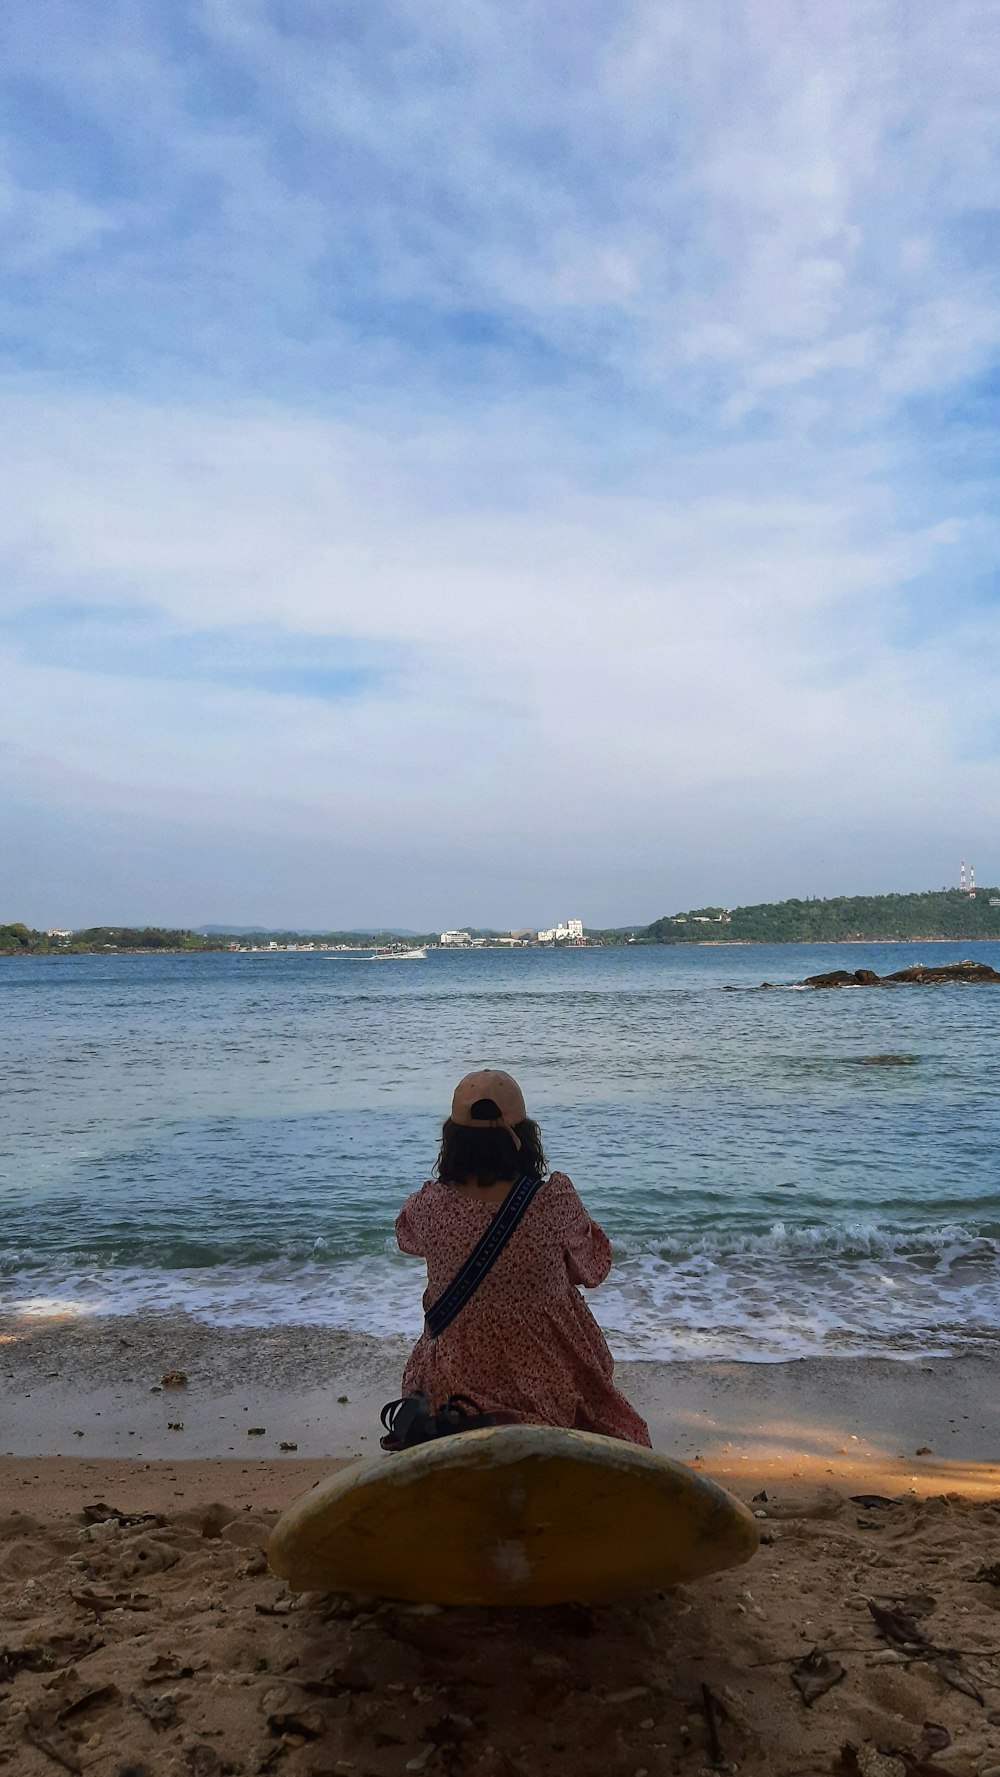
(525, 1342)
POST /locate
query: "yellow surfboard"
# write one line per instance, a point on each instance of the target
(512, 1515)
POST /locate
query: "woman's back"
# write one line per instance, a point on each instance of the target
(442, 1224)
(525, 1342)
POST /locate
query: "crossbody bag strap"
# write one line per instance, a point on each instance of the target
(482, 1257)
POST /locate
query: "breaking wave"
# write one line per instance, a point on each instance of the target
(779, 1293)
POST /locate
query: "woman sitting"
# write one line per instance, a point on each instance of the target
(524, 1343)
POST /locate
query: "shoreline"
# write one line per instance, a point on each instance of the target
(476, 949)
(93, 1388)
(142, 1630)
(805, 943)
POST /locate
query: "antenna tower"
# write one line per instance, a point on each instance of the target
(961, 880)
(972, 882)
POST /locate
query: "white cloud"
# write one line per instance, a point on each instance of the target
(575, 353)
(575, 663)
(614, 186)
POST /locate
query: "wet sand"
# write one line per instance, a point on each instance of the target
(95, 1387)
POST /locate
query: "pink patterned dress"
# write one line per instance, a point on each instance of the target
(525, 1342)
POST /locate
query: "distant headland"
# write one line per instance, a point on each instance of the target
(841, 919)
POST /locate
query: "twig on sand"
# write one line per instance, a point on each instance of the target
(710, 1707)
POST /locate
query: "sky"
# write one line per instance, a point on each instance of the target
(496, 461)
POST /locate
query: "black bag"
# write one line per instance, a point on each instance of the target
(410, 1421)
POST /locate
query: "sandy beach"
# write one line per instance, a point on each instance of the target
(142, 1631)
(90, 1386)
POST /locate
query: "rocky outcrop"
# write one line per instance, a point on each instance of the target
(966, 971)
(919, 974)
(843, 978)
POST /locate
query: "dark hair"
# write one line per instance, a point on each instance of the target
(489, 1155)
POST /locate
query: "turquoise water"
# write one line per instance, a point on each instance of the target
(233, 1134)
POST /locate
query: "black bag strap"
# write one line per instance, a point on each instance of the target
(482, 1257)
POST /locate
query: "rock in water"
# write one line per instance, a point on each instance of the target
(842, 978)
(963, 971)
(919, 974)
(885, 1060)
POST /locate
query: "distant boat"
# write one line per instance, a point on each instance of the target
(399, 956)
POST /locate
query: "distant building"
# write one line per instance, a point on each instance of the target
(56, 932)
(569, 932)
(456, 938)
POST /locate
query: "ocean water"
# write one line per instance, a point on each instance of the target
(232, 1136)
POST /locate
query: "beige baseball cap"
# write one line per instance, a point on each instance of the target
(504, 1092)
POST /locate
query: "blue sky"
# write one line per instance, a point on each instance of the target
(495, 461)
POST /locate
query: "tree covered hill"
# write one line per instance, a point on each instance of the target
(947, 913)
(22, 940)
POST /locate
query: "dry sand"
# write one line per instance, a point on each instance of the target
(163, 1645)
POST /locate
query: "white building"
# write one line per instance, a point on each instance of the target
(456, 937)
(569, 932)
